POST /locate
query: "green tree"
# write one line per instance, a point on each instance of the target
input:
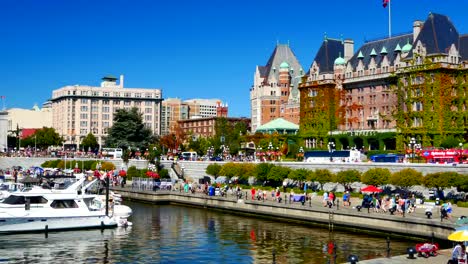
(323, 176)
(132, 172)
(230, 169)
(213, 170)
(128, 130)
(298, 175)
(43, 138)
(347, 177)
(262, 170)
(89, 142)
(277, 174)
(246, 170)
(376, 176)
(406, 178)
(164, 174)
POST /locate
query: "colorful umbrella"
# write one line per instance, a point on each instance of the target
(459, 236)
(371, 189)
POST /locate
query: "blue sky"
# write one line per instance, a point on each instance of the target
(189, 49)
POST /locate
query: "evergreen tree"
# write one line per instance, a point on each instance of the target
(128, 130)
(89, 142)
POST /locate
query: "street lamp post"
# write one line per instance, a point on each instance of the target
(331, 148)
(35, 145)
(301, 153)
(412, 144)
(270, 149)
(460, 157)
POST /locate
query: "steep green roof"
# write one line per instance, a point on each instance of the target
(280, 125)
(373, 52)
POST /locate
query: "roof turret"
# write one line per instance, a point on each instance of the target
(284, 65)
(397, 48)
(360, 56)
(340, 60)
(373, 52)
(383, 51)
(407, 47)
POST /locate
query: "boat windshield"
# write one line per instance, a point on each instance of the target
(17, 199)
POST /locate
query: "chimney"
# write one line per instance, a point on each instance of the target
(348, 49)
(417, 26)
(121, 81)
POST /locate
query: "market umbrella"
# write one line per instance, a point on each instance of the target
(459, 236)
(371, 189)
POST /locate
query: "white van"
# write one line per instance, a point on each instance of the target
(189, 155)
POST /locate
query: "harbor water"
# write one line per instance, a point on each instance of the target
(177, 234)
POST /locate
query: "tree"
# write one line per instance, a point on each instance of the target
(43, 138)
(406, 178)
(376, 176)
(347, 177)
(440, 180)
(323, 176)
(132, 172)
(89, 142)
(298, 175)
(128, 130)
(230, 170)
(246, 170)
(261, 171)
(277, 174)
(213, 170)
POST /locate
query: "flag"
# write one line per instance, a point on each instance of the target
(385, 3)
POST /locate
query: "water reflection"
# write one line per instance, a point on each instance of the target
(173, 234)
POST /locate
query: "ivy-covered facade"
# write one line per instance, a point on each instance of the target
(390, 90)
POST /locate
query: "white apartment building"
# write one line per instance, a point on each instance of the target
(78, 109)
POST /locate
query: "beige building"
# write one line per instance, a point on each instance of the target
(30, 118)
(79, 109)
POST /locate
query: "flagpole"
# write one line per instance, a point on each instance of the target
(390, 18)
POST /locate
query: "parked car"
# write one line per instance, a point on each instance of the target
(216, 158)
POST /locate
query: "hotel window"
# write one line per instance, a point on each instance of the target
(128, 95)
(94, 116)
(105, 102)
(148, 110)
(83, 131)
(105, 124)
(83, 123)
(84, 93)
(84, 108)
(84, 116)
(94, 108)
(148, 125)
(126, 102)
(105, 117)
(95, 93)
(148, 95)
(148, 118)
(137, 103)
(84, 101)
(105, 93)
(116, 94)
(116, 102)
(138, 95)
(105, 109)
(148, 103)
(94, 102)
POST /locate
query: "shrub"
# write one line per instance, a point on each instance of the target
(132, 172)
(323, 176)
(376, 176)
(406, 178)
(107, 166)
(164, 174)
(213, 170)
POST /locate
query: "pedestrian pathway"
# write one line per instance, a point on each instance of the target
(442, 258)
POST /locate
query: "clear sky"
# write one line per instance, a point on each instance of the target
(189, 49)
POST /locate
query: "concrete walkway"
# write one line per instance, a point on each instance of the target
(442, 258)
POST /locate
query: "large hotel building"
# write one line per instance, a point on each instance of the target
(387, 94)
(79, 109)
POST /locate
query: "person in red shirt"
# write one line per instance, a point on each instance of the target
(253, 193)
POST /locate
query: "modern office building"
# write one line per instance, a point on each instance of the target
(391, 90)
(275, 91)
(79, 109)
(174, 109)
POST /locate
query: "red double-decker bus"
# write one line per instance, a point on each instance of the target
(445, 156)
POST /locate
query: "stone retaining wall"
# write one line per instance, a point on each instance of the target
(383, 223)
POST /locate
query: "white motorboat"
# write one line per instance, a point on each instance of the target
(43, 210)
